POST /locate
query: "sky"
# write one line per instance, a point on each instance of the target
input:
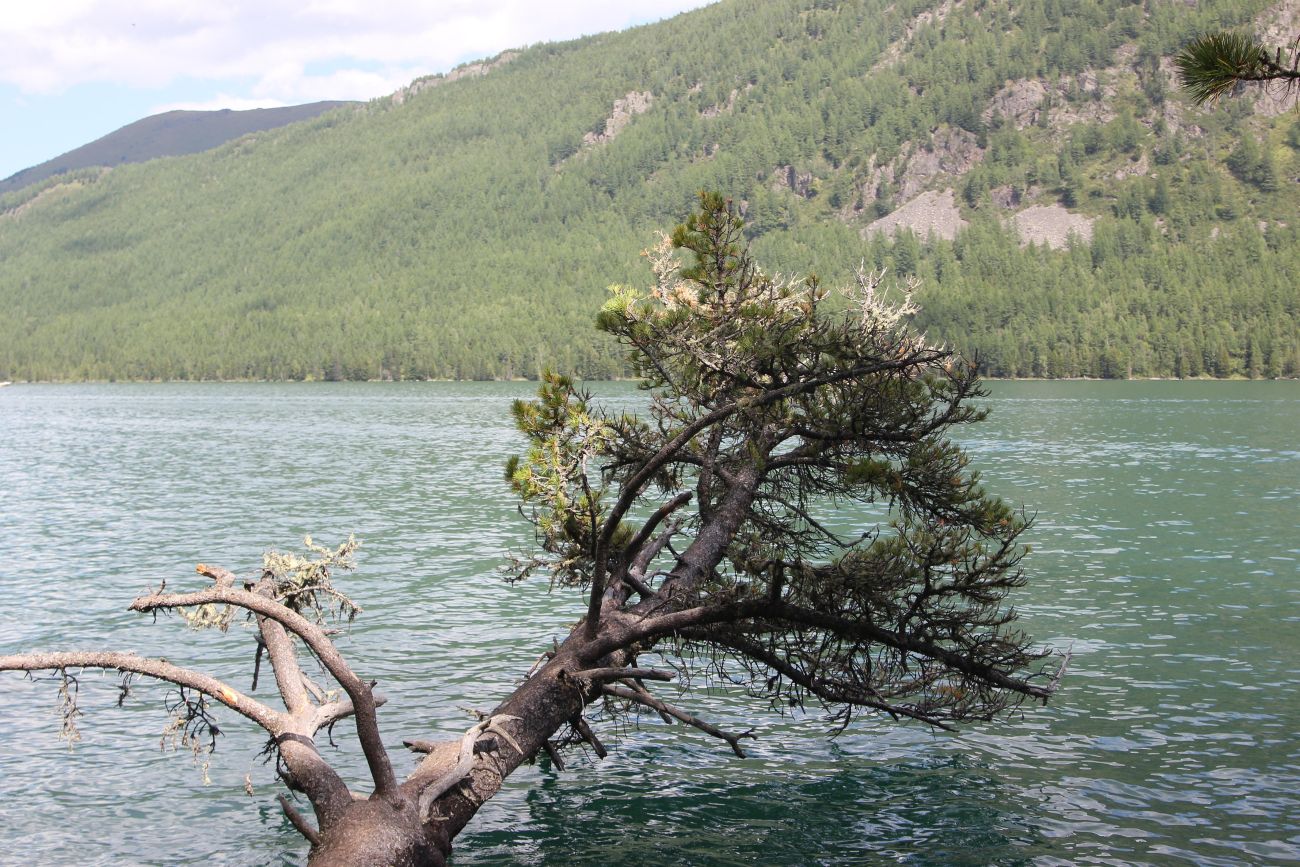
(74, 70)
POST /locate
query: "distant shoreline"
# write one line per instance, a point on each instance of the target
(620, 379)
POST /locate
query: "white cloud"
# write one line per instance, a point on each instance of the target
(284, 50)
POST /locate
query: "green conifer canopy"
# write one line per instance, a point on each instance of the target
(467, 229)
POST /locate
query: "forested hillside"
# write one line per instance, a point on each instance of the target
(468, 226)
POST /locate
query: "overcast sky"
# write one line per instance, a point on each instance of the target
(74, 70)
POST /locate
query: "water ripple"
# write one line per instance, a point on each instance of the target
(1164, 556)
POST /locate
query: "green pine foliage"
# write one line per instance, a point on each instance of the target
(468, 230)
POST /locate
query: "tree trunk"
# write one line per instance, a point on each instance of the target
(375, 833)
(557, 693)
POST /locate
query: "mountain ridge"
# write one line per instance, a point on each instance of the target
(468, 230)
(167, 134)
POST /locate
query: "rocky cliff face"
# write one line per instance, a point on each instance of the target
(914, 189)
(625, 108)
(467, 70)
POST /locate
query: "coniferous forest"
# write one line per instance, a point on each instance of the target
(468, 226)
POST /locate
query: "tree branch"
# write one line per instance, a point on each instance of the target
(556, 759)
(604, 675)
(269, 719)
(1211, 66)
(296, 819)
(645, 698)
(314, 637)
(755, 651)
(271, 636)
(647, 530)
(584, 731)
(632, 489)
(749, 609)
(911, 644)
(331, 712)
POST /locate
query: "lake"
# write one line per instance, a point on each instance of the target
(1166, 556)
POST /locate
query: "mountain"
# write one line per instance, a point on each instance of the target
(1029, 160)
(170, 134)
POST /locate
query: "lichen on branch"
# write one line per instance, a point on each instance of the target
(304, 584)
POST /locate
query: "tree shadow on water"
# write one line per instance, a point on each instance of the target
(941, 810)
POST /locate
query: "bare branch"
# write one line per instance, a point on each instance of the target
(584, 731)
(331, 712)
(296, 819)
(314, 637)
(634, 581)
(272, 639)
(633, 575)
(824, 691)
(222, 577)
(603, 675)
(647, 530)
(554, 754)
(269, 719)
(641, 688)
(644, 698)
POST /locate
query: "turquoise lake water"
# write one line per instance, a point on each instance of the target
(1166, 555)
